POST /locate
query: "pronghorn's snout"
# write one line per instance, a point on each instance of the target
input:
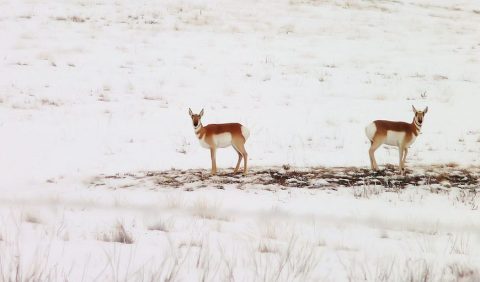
(195, 120)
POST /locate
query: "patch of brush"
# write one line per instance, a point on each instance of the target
(315, 177)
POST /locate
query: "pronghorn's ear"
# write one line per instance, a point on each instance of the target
(190, 112)
(426, 110)
(414, 110)
(201, 113)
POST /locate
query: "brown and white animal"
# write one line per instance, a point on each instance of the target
(394, 133)
(222, 135)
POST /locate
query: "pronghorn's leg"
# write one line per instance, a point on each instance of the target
(214, 161)
(239, 159)
(375, 144)
(370, 155)
(239, 145)
(405, 151)
(400, 158)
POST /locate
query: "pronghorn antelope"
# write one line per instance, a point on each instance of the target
(222, 135)
(394, 133)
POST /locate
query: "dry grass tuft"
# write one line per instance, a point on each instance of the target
(461, 272)
(265, 248)
(208, 210)
(119, 235)
(75, 19)
(49, 102)
(270, 230)
(189, 244)
(161, 225)
(32, 218)
(367, 191)
(440, 77)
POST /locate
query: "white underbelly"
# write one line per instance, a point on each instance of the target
(220, 141)
(394, 138)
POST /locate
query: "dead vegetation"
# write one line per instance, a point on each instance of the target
(49, 102)
(161, 225)
(118, 235)
(75, 19)
(32, 218)
(368, 182)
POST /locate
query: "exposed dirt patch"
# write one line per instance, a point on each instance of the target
(314, 178)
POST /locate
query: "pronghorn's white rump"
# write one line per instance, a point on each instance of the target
(245, 132)
(370, 131)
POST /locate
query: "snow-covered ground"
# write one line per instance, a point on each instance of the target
(91, 88)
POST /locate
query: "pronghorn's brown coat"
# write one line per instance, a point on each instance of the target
(399, 126)
(212, 129)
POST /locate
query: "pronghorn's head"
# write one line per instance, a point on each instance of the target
(419, 115)
(195, 118)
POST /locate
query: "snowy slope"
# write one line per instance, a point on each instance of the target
(103, 87)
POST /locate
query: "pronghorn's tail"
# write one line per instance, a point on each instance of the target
(370, 131)
(245, 132)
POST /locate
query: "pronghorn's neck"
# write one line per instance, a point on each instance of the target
(416, 127)
(198, 130)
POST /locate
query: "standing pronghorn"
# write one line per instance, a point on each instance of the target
(394, 133)
(222, 135)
